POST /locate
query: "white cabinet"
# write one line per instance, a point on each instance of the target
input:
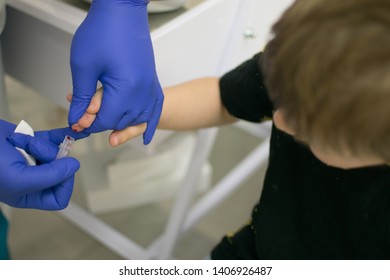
(205, 38)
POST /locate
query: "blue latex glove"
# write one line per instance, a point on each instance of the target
(113, 45)
(46, 186)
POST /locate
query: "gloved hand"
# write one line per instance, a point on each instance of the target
(47, 186)
(113, 45)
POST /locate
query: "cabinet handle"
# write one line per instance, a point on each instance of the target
(249, 33)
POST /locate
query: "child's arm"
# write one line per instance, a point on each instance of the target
(192, 105)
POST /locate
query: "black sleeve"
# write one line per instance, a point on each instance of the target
(240, 246)
(243, 92)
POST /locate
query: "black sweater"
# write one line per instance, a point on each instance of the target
(307, 209)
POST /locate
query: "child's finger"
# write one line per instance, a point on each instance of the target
(86, 120)
(96, 101)
(93, 108)
(77, 128)
(119, 137)
(69, 97)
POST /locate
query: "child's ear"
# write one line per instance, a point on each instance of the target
(280, 122)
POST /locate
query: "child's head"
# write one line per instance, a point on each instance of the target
(327, 70)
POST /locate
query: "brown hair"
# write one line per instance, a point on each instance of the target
(328, 69)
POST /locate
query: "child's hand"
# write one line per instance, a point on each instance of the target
(123, 61)
(94, 106)
(117, 137)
